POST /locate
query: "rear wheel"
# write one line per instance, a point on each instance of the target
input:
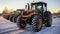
(20, 23)
(37, 23)
(49, 20)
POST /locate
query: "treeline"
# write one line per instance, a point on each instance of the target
(58, 13)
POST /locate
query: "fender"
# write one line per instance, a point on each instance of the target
(30, 14)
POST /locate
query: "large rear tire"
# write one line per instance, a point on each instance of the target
(20, 24)
(37, 23)
(49, 19)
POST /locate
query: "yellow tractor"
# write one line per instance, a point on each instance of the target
(36, 15)
(13, 16)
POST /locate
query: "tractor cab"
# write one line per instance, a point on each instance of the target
(41, 6)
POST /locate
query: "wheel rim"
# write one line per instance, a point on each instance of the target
(22, 24)
(50, 20)
(39, 23)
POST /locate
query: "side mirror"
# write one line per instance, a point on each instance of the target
(28, 6)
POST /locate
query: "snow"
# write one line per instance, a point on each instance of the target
(54, 29)
(7, 27)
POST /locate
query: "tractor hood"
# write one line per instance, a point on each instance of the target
(29, 13)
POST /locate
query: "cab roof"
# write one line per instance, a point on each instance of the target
(38, 2)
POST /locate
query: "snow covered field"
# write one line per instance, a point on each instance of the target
(7, 27)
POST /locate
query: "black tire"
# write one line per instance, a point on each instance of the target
(15, 19)
(10, 18)
(19, 23)
(49, 19)
(35, 23)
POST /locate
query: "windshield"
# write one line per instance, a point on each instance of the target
(36, 6)
(19, 11)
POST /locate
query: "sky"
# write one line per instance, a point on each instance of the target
(52, 5)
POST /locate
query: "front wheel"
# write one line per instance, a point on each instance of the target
(37, 23)
(20, 23)
(10, 18)
(14, 19)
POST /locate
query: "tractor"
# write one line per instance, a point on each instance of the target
(13, 16)
(35, 15)
(16, 14)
